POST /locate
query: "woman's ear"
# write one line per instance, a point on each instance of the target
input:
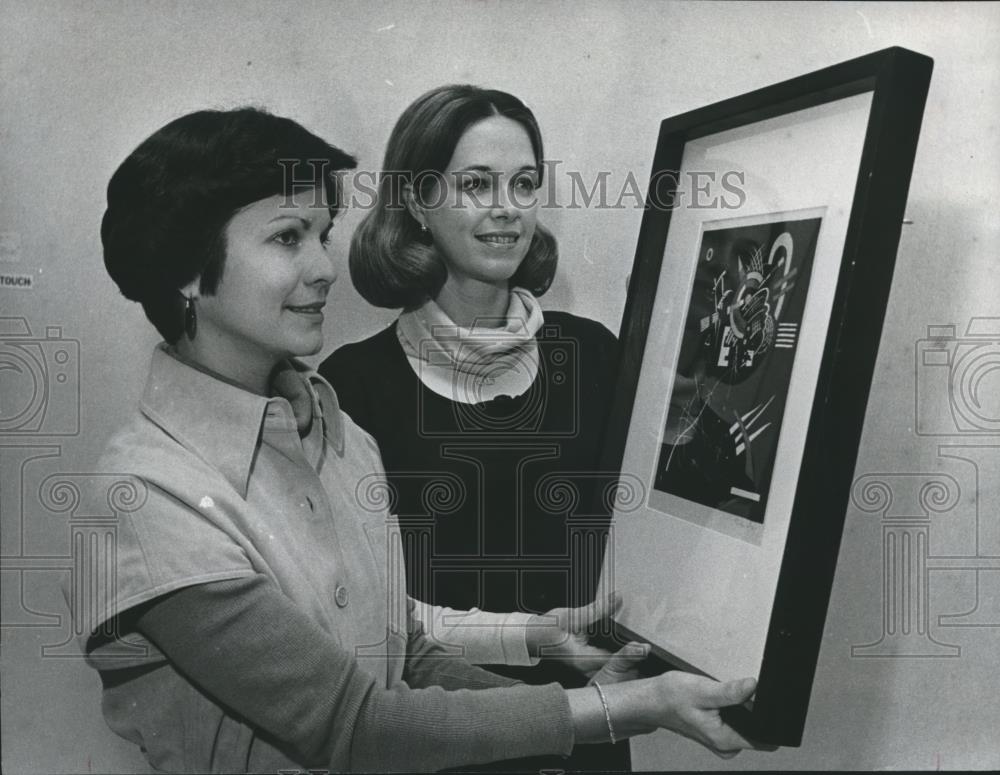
(192, 290)
(413, 205)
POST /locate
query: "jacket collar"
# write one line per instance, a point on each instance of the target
(221, 422)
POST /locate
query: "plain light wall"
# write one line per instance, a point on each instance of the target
(83, 83)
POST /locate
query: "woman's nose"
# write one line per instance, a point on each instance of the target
(503, 205)
(323, 265)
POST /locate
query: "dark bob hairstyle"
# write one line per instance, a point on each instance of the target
(171, 199)
(392, 264)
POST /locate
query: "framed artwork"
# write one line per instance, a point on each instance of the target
(749, 338)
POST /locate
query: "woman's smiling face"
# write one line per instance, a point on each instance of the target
(269, 302)
(482, 209)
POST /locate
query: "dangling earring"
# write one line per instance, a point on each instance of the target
(190, 317)
(423, 228)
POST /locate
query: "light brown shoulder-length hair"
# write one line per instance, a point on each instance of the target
(392, 263)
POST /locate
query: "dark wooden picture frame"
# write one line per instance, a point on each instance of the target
(898, 81)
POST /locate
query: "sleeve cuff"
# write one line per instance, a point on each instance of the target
(514, 640)
(486, 638)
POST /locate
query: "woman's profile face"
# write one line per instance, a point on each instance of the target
(269, 303)
(481, 212)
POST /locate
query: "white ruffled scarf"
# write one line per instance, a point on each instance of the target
(473, 365)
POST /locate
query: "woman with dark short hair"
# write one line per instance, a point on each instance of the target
(252, 618)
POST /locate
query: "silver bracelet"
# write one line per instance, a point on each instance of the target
(607, 713)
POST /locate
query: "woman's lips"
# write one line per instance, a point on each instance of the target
(315, 309)
(499, 239)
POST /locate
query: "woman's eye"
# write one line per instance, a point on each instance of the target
(288, 238)
(526, 183)
(472, 183)
(326, 237)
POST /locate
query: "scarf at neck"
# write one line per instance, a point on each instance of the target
(473, 365)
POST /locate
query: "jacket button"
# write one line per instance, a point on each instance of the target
(340, 595)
